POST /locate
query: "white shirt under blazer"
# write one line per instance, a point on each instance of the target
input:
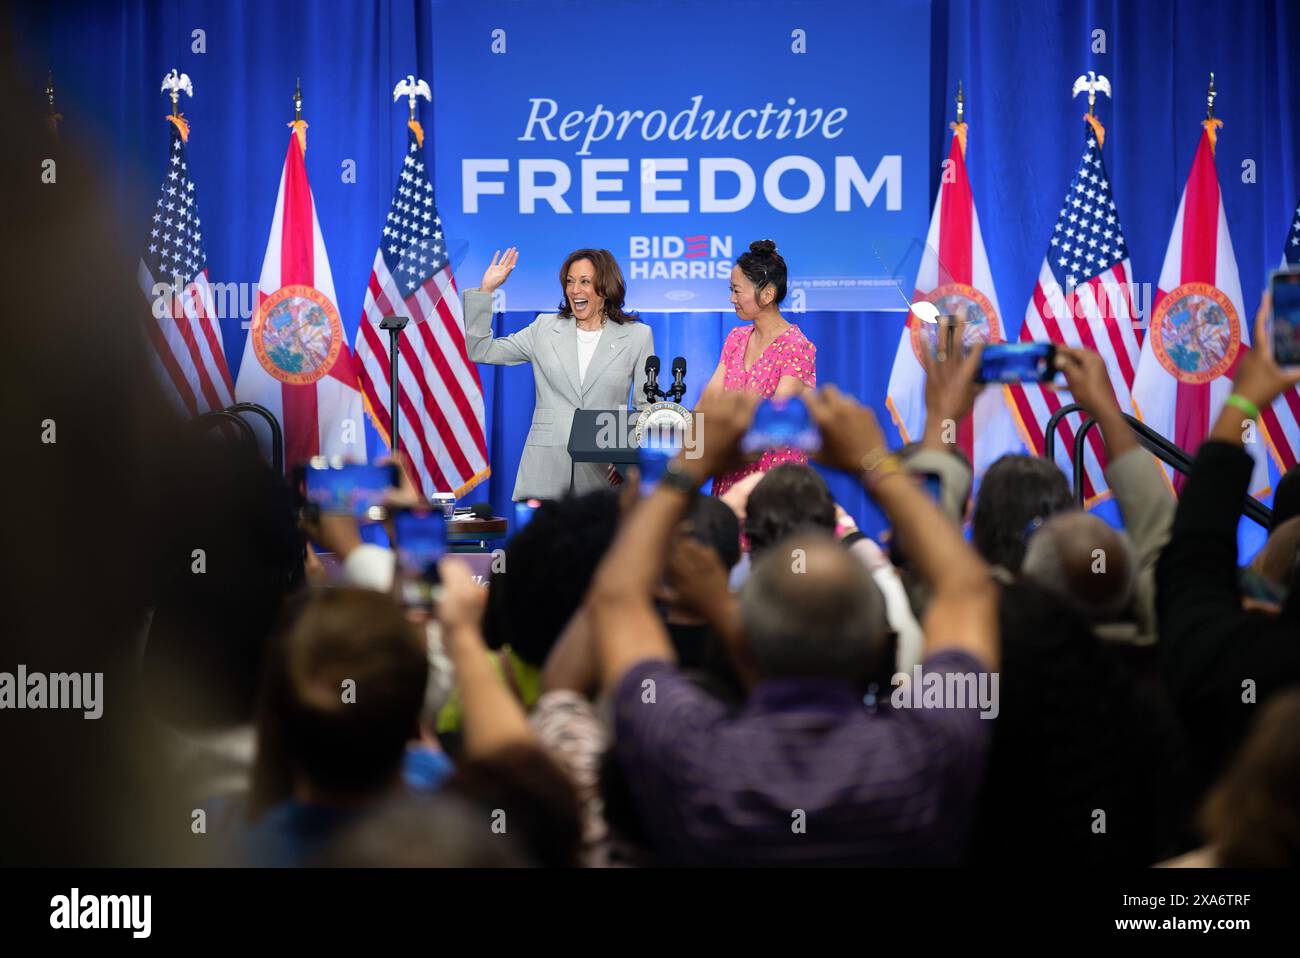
(550, 343)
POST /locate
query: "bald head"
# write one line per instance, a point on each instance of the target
(1082, 559)
(810, 608)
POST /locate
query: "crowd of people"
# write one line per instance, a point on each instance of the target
(668, 677)
(655, 677)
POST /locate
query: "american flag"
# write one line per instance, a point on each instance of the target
(173, 273)
(1083, 298)
(1282, 421)
(439, 391)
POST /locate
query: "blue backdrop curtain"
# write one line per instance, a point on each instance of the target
(1017, 59)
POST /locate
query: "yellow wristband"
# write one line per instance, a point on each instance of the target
(878, 464)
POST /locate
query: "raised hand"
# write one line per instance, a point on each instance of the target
(950, 387)
(1085, 373)
(849, 429)
(737, 497)
(1259, 378)
(499, 269)
(405, 495)
(463, 599)
(720, 423)
(334, 532)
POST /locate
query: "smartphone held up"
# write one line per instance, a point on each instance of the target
(420, 537)
(1284, 285)
(350, 488)
(781, 424)
(1008, 363)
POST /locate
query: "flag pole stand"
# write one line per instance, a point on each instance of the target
(394, 325)
(947, 329)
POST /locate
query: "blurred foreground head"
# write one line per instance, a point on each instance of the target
(208, 635)
(811, 610)
(1286, 498)
(1077, 730)
(425, 831)
(519, 787)
(1252, 817)
(342, 694)
(1279, 560)
(548, 567)
(712, 523)
(86, 432)
(1081, 559)
(790, 498)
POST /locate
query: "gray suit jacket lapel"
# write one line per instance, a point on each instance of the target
(565, 341)
(612, 340)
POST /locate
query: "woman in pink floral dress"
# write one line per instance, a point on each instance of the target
(765, 355)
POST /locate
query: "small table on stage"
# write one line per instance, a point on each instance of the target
(470, 540)
(473, 541)
(467, 536)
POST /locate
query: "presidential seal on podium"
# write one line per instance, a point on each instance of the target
(662, 424)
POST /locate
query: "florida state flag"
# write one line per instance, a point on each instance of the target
(955, 277)
(296, 361)
(1198, 325)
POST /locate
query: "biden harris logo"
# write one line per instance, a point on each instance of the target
(686, 256)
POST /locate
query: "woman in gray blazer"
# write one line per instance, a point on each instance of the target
(586, 356)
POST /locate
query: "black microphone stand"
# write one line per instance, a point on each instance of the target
(394, 325)
(678, 389)
(652, 391)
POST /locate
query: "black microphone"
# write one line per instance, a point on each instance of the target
(678, 388)
(652, 391)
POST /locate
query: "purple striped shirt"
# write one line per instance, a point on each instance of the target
(804, 774)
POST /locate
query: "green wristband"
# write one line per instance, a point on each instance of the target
(1244, 404)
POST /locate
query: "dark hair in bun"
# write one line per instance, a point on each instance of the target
(763, 266)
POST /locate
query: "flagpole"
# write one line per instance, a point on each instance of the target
(1211, 123)
(948, 324)
(411, 88)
